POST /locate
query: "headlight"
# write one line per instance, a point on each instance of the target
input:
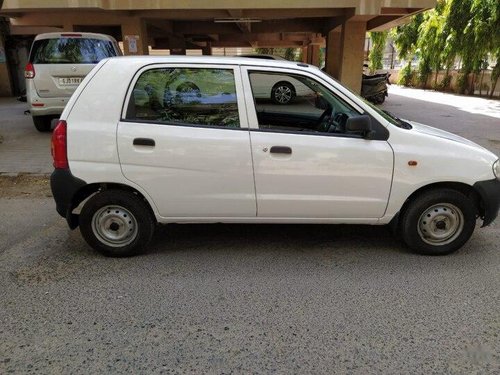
(496, 169)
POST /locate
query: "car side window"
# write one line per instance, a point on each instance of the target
(190, 96)
(294, 103)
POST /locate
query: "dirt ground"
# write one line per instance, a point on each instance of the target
(24, 185)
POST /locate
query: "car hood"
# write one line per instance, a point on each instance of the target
(429, 130)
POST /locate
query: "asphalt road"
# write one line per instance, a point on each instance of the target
(245, 299)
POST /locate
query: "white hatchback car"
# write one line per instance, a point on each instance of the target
(58, 62)
(147, 155)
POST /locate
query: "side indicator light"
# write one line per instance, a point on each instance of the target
(412, 163)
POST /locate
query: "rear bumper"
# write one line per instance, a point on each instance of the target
(50, 107)
(64, 187)
(489, 191)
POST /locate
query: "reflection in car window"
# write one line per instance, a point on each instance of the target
(71, 51)
(197, 96)
(290, 102)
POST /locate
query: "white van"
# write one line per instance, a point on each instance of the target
(58, 62)
(221, 154)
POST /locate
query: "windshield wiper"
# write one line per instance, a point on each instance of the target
(400, 123)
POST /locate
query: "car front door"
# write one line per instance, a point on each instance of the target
(306, 163)
(183, 138)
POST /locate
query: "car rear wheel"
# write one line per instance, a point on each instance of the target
(438, 222)
(43, 123)
(116, 223)
(283, 93)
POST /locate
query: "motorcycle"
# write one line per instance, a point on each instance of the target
(374, 87)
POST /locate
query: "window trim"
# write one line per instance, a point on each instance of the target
(240, 102)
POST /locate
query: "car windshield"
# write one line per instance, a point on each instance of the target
(385, 114)
(71, 51)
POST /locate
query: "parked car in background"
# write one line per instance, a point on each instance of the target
(218, 155)
(58, 62)
(279, 89)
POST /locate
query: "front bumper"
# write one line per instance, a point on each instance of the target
(489, 191)
(64, 187)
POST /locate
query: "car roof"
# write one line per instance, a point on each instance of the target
(73, 34)
(230, 60)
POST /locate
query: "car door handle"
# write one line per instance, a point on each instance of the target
(281, 150)
(144, 142)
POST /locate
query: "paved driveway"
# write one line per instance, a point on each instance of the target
(22, 148)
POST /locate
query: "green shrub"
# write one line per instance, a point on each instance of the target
(406, 76)
(445, 83)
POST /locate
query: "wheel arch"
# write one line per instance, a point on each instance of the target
(88, 190)
(461, 187)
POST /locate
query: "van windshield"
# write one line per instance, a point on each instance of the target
(71, 51)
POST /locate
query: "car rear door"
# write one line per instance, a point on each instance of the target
(184, 139)
(304, 169)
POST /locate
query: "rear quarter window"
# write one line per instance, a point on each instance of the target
(190, 96)
(71, 51)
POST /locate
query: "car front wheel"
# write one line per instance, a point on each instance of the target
(116, 223)
(438, 222)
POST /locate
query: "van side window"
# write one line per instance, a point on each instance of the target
(293, 103)
(190, 96)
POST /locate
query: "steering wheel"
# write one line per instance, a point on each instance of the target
(337, 125)
(327, 114)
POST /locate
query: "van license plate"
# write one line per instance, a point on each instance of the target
(70, 81)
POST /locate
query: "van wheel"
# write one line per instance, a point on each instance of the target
(438, 222)
(283, 92)
(116, 223)
(43, 123)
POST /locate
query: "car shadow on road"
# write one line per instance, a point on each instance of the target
(271, 237)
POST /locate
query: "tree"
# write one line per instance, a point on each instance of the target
(431, 42)
(377, 52)
(468, 30)
(406, 39)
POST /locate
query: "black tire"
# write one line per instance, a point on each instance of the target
(283, 92)
(438, 222)
(127, 212)
(43, 123)
(381, 98)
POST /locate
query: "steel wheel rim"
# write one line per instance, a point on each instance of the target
(283, 94)
(440, 224)
(114, 226)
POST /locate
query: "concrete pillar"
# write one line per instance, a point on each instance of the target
(207, 50)
(352, 47)
(5, 87)
(135, 37)
(313, 54)
(333, 53)
(305, 57)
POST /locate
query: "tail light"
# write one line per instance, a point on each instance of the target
(29, 71)
(59, 147)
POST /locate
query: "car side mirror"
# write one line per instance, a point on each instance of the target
(360, 124)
